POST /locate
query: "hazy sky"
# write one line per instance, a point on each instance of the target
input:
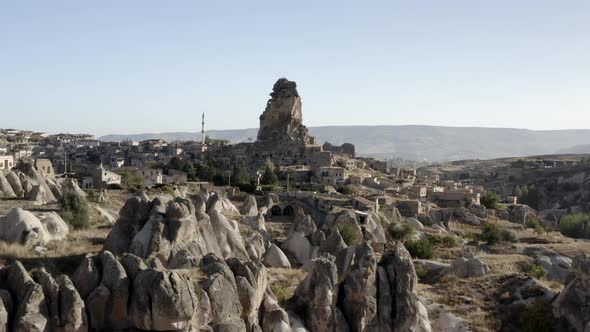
(153, 66)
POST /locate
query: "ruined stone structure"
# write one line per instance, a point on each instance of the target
(282, 137)
(282, 120)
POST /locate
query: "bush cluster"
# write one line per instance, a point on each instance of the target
(534, 224)
(422, 249)
(490, 200)
(492, 234)
(400, 232)
(575, 225)
(281, 292)
(536, 271)
(74, 210)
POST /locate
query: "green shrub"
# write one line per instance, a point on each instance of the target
(507, 235)
(74, 210)
(421, 271)
(490, 200)
(281, 292)
(538, 317)
(450, 241)
(492, 234)
(269, 177)
(348, 233)
(422, 249)
(400, 232)
(534, 224)
(536, 271)
(575, 225)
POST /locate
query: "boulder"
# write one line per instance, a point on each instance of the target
(134, 215)
(54, 187)
(86, 278)
(275, 257)
(104, 216)
(557, 266)
(274, 318)
(222, 205)
(250, 207)
(222, 291)
(72, 311)
(521, 213)
(298, 246)
(71, 184)
(41, 195)
(255, 247)
(23, 227)
(469, 267)
(54, 225)
(571, 305)
(5, 187)
(169, 228)
(360, 304)
(319, 295)
(107, 304)
(6, 308)
(256, 223)
(228, 236)
(161, 300)
(251, 283)
(30, 308)
(303, 223)
(414, 223)
(15, 183)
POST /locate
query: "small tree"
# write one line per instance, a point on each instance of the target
(490, 200)
(131, 181)
(269, 177)
(74, 210)
(575, 225)
(240, 175)
(534, 224)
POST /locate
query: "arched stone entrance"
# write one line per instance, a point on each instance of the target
(288, 211)
(276, 211)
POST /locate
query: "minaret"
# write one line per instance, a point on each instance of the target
(203, 129)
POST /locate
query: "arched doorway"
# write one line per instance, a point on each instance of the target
(275, 211)
(288, 211)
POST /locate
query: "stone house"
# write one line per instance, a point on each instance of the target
(101, 179)
(6, 162)
(175, 177)
(332, 176)
(150, 176)
(409, 208)
(362, 203)
(417, 192)
(434, 189)
(455, 198)
(45, 167)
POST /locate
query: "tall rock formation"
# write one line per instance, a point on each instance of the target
(282, 120)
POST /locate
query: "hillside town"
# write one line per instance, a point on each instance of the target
(284, 234)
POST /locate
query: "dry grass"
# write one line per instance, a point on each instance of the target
(283, 282)
(61, 256)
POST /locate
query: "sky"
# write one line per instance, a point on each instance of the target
(137, 66)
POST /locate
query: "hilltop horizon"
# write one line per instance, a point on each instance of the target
(415, 142)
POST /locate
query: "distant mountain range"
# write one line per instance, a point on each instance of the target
(430, 143)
